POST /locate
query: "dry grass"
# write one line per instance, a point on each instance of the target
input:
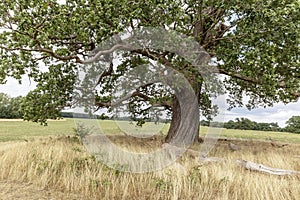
(62, 164)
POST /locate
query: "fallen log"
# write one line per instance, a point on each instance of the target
(262, 168)
(243, 163)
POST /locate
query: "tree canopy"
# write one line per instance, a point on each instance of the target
(10, 107)
(254, 44)
(293, 124)
(244, 124)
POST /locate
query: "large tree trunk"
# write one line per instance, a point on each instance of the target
(184, 127)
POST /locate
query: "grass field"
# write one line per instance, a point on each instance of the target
(20, 130)
(47, 159)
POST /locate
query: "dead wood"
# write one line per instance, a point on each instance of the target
(249, 165)
(265, 169)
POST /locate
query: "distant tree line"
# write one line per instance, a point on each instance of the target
(245, 124)
(102, 116)
(11, 108)
(77, 115)
(293, 125)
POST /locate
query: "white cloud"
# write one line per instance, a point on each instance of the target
(279, 113)
(14, 89)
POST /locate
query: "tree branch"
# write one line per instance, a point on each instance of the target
(136, 93)
(154, 56)
(239, 76)
(105, 73)
(121, 100)
(108, 51)
(44, 50)
(62, 58)
(281, 84)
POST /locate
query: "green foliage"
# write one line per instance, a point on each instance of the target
(293, 124)
(255, 44)
(243, 124)
(81, 130)
(246, 124)
(53, 93)
(10, 107)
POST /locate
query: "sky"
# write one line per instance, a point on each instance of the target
(279, 113)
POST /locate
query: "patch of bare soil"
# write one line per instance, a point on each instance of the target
(26, 191)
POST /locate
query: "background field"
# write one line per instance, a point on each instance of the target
(11, 130)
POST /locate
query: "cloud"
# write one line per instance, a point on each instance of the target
(279, 113)
(14, 89)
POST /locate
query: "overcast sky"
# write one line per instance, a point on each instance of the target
(280, 113)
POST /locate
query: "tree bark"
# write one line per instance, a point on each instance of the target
(184, 127)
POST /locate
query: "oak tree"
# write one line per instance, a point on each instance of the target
(254, 44)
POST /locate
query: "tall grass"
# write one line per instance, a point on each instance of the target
(61, 163)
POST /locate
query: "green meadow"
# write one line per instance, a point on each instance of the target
(11, 130)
